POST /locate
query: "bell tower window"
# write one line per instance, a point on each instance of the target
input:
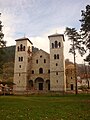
(21, 58)
(54, 56)
(56, 44)
(37, 61)
(57, 56)
(21, 47)
(18, 48)
(59, 45)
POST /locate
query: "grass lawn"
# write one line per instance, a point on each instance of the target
(67, 107)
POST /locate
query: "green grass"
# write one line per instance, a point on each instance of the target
(67, 107)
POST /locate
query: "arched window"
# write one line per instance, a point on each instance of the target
(56, 44)
(21, 47)
(37, 61)
(52, 45)
(19, 66)
(40, 56)
(21, 58)
(40, 70)
(18, 48)
(59, 45)
(54, 56)
(56, 73)
(57, 56)
(48, 71)
(32, 71)
(44, 60)
(56, 64)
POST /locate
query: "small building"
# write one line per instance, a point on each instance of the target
(70, 77)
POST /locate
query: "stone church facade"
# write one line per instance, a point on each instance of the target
(39, 70)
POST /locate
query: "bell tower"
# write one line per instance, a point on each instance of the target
(57, 63)
(22, 55)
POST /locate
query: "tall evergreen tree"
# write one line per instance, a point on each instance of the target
(85, 29)
(75, 39)
(2, 44)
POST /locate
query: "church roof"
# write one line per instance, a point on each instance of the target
(24, 38)
(55, 35)
(41, 51)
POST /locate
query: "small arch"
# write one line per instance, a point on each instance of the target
(56, 73)
(39, 83)
(56, 64)
(19, 66)
(57, 56)
(57, 81)
(49, 71)
(56, 44)
(39, 79)
(18, 48)
(54, 56)
(59, 44)
(21, 58)
(23, 48)
(37, 61)
(40, 70)
(32, 71)
(40, 56)
(44, 60)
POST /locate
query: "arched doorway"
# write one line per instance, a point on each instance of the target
(71, 86)
(48, 84)
(39, 83)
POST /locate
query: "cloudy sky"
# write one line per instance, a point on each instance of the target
(36, 19)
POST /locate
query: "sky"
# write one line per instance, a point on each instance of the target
(37, 19)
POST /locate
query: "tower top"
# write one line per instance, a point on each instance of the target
(56, 35)
(24, 38)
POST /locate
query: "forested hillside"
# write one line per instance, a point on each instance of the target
(7, 63)
(9, 54)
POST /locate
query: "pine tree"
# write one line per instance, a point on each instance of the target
(2, 42)
(85, 29)
(75, 39)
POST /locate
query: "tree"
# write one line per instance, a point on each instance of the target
(85, 29)
(2, 44)
(75, 38)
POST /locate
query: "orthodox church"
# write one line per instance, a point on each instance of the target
(39, 70)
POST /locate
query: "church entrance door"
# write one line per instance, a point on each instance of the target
(40, 86)
(39, 83)
(71, 86)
